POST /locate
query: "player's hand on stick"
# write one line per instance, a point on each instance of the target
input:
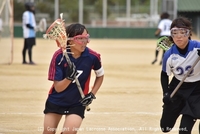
(156, 35)
(36, 28)
(71, 72)
(87, 99)
(198, 51)
(166, 98)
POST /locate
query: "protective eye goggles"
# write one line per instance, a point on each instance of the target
(183, 32)
(80, 39)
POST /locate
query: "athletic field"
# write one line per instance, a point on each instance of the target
(129, 101)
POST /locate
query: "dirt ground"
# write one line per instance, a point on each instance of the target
(129, 100)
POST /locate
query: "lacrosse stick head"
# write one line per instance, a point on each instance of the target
(57, 32)
(42, 25)
(164, 43)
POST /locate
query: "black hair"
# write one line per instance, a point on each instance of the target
(28, 6)
(74, 30)
(182, 22)
(164, 15)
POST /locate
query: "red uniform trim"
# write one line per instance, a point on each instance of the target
(52, 68)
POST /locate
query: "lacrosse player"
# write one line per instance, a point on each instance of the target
(177, 61)
(64, 97)
(29, 34)
(162, 30)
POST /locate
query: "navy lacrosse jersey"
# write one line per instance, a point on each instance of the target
(178, 64)
(89, 60)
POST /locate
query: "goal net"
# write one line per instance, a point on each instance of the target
(6, 31)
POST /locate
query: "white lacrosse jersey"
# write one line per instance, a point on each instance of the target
(164, 25)
(178, 64)
(28, 18)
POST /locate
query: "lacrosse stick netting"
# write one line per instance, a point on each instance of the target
(164, 43)
(42, 26)
(57, 32)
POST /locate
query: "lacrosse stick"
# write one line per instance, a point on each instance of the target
(187, 74)
(42, 26)
(57, 32)
(165, 44)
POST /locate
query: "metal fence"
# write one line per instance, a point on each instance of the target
(131, 14)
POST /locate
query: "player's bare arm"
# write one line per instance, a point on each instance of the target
(97, 84)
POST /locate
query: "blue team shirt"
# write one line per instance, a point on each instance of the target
(89, 60)
(178, 64)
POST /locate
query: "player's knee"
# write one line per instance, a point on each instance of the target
(69, 132)
(46, 131)
(165, 129)
(166, 126)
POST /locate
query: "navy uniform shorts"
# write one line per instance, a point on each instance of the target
(52, 108)
(29, 42)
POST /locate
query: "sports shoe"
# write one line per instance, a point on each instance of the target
(32, 63)
(24, 62)
(153, 62)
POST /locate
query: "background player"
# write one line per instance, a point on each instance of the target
(162, 30)
(177, 61)
(64, 97)
(29, 34)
